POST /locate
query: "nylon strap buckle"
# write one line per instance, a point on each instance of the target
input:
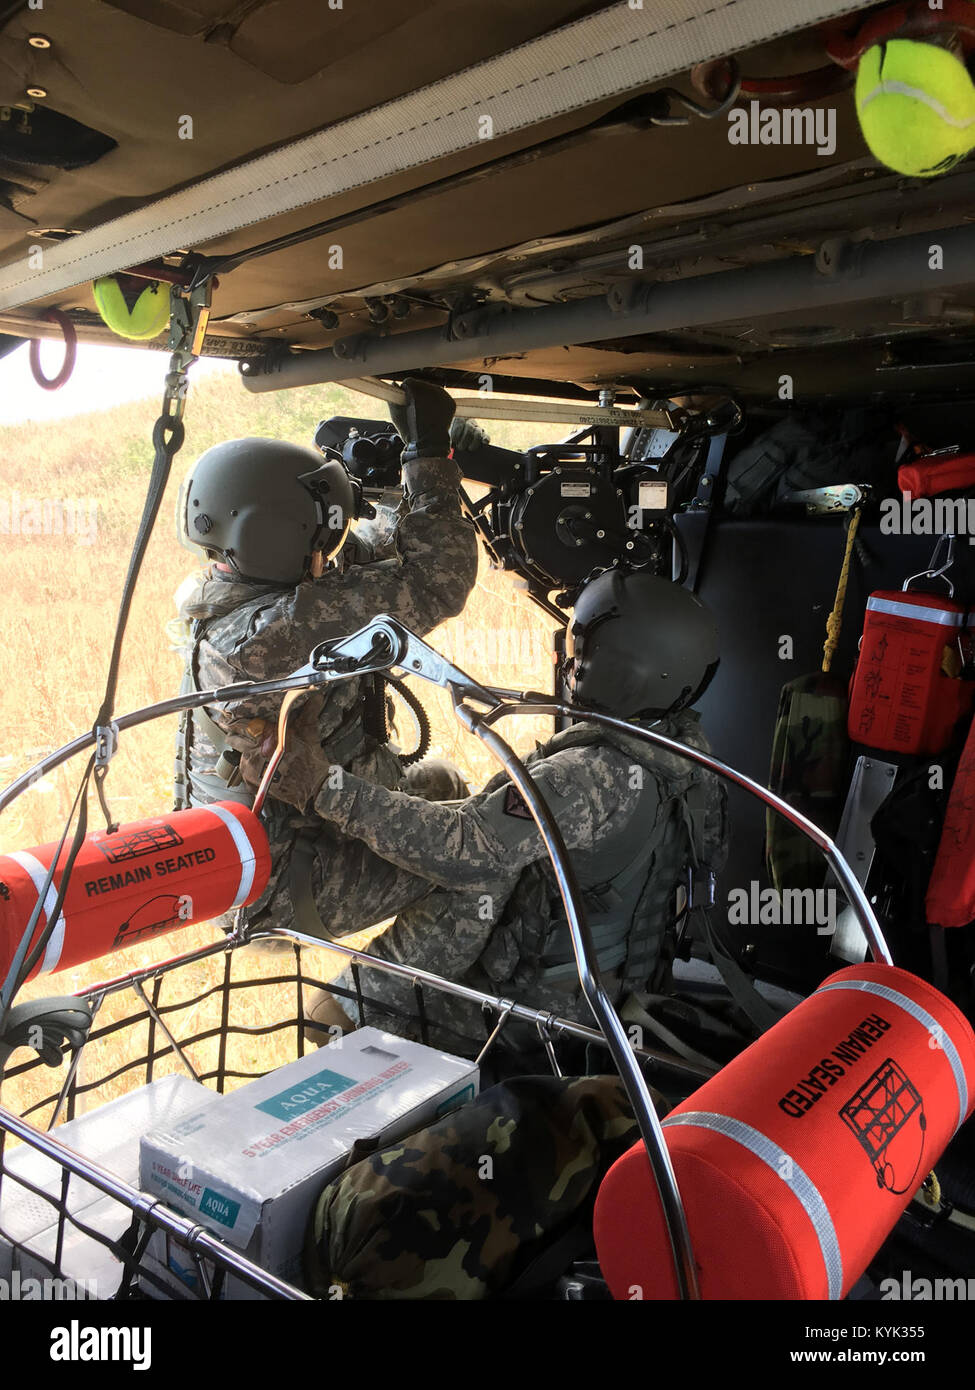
(701, 887)
(189, 316)
(106, 744)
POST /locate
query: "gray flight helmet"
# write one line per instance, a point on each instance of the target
(265, 507)
(639, 645)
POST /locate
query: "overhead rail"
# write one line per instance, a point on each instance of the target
(841, 273)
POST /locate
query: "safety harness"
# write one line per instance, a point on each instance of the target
(366, 723)
(224, 781)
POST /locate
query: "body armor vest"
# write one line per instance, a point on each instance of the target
(676, 836)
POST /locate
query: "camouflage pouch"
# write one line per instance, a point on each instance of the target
(809, 759)
(460, 1209)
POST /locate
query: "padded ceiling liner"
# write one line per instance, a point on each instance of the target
(132, 78)
(291, 40)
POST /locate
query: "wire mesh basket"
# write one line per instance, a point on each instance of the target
(74, 1220)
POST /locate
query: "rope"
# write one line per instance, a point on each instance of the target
(931, 1190)
(834, 623)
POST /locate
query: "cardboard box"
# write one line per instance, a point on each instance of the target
(250, 1166)
(86, 1268)
(110, 1136)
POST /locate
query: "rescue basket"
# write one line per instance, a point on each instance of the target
(80, 1217)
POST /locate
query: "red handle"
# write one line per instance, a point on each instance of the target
(927, 479)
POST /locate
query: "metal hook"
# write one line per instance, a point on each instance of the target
(503, 1015)
(544, 1026)
(934, 570)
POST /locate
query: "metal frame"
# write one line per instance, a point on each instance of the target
(841, 273)
(385, 644)
(150, 1209)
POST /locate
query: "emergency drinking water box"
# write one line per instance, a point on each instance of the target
(250, 1166)
(796, 1160)
(147, 878)
(109, 1136)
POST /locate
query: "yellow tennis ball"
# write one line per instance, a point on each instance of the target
(146, 319)
(916, 104)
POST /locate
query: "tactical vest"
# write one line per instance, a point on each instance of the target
(363, 727)
(676, 837)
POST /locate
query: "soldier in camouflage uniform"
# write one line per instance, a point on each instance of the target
(632, 815)
(271, 515)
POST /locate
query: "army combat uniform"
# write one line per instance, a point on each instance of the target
(253, 631)
(633, 817)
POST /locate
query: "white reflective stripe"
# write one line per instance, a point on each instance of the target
(941, 616)
(800, 1184)
(616, 50)
(38, 873)
(904, 89)
(937, 1030)
(244, 849)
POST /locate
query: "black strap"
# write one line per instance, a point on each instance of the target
(167, 437)
(696, 521)
(552, 1262)
(306, 912)
(20, 966)
(738, 983)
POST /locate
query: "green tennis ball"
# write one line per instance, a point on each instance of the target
(916, 104)
(141, 316)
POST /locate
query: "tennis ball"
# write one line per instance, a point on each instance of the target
(916, 104)
(140, 317)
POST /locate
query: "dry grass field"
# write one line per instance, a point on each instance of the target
(61, 592)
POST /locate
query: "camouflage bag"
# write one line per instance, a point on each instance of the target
(461, 1209)
(809, 759)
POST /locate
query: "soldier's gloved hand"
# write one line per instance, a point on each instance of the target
(423, 421)
(467, 435)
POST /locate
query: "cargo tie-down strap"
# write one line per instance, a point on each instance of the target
(618, 50)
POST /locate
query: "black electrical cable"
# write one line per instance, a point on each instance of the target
(421, 717)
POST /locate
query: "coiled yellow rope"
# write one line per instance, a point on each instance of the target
(834, 623)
